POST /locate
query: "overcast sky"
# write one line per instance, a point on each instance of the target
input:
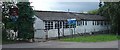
(72, 5)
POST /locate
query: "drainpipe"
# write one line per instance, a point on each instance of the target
(58, 30)
(63, 28)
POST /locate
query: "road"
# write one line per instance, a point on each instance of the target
(59, 44)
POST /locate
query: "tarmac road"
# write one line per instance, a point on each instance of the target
(59, 44)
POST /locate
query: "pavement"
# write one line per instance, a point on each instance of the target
(59, 44)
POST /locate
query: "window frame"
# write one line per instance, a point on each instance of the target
(48, 25)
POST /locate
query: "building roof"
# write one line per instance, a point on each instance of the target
(56, 15)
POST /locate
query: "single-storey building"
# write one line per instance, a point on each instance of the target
(46, 23)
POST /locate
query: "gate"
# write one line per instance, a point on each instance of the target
(40, 35)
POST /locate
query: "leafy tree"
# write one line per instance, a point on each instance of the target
(24, 24)
(111, 10)
(5, 19)
(93, 11)
(25, 20)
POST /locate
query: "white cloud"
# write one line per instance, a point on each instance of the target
(51, 5)
(77, 0)
(68, 0)
(42, 4)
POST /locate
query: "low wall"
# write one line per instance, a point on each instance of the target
(78, 30)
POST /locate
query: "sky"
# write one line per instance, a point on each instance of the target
(64, 5)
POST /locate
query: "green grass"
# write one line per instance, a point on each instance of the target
(119, 37)
(93, 38)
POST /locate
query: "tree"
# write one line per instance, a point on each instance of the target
(8, 25)
(111, 10)
(25, 20)
(93, 11)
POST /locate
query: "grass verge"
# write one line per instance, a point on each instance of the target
(93, 38)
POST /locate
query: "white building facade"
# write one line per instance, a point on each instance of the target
(47, 24)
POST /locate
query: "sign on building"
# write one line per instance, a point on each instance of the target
(71, 21)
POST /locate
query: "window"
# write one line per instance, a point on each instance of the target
(58, 24)
(65, 25)
(98, 22)
(85, 22)
(48, 25)
(93, 23)
(72, 26)
(105, 23)
(101, 22)
(79, 23)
